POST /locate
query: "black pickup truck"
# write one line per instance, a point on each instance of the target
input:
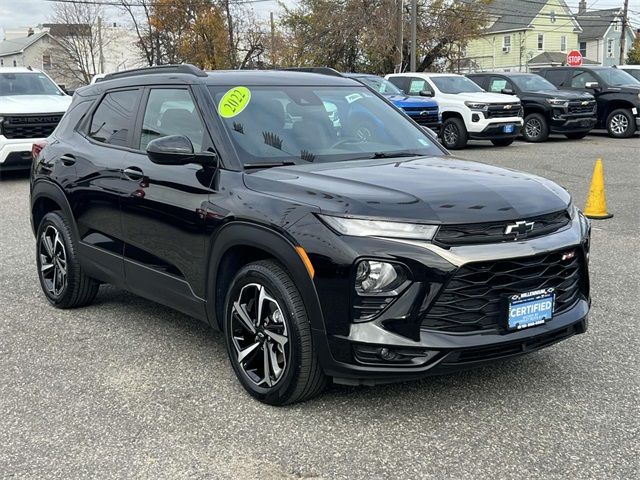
(546, 109)
(617, 94)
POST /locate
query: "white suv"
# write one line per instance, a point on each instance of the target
(468, 112)
(31, 105)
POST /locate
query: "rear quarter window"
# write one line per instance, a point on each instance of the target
(72, 118)
(112, 121)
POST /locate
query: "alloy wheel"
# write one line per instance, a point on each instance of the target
(619, 124)
(259, 336)
(533, 128)
(450, 134)
(53, 261)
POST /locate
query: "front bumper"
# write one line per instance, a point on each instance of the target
(16, 153)
(495, 131)
(568, 124)
(354, 356)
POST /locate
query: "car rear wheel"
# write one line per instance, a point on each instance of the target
(268, 336)
(535, 128)
(621, 123)
(63, 280)
(454, 134)
(576, 135)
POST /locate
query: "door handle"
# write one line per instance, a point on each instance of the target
(68, 159)
(133, 173)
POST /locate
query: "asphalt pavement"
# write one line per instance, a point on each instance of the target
(128, 388)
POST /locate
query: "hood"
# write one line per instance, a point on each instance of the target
(404, 101)
(484, 97)
(432, 189)
(27, 104)
(562, 94)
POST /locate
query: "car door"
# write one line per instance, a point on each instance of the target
(97, 154)
(578, 81)
(162, 205)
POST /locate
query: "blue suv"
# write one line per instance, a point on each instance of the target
(422, 110)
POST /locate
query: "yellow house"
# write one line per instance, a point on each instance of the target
(524, 36)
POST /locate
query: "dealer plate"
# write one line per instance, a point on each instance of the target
(530, 309)
(508, 128)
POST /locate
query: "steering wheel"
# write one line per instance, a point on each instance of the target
(346, 141)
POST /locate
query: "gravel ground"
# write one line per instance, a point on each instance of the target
(127, 388)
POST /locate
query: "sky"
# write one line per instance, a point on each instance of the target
(25, 13)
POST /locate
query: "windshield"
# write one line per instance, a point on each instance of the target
(27, 84)
(455, 84)
(300, 124)
(616, 78)
(530, 83)
(381, 85)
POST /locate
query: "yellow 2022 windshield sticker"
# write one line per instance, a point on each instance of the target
(234, 101)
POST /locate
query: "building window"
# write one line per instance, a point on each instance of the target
(583, 49)
(506, 43)
(46, 62)
(610, 47)
(552, 16)
(563, 43)
(15, 64)
(1, 62)
(616, 25)
(540, 42)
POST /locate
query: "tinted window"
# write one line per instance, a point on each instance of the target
(171, 112)
(478, 80)
(401, 82)
(634, 73)
(114, 117)
(531, 83)
(380, 85)
(580, 79)
(556, 76)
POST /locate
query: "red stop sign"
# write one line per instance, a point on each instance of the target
(574, 58)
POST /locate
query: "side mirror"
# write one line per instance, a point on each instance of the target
(592, 85)
(426, 93)
(177, 150)
(508, 91)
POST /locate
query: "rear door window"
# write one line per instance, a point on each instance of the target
(401, 82)
(112, 121)
(556, 76)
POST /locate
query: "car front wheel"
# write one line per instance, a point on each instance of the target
(454, 134)
(268, 336)
(535, 128)
(621, 123)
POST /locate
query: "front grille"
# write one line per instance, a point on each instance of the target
(493, 232)
(423, 115)
(503, 110)
(30, 126)
(474, 298)
(577, 107)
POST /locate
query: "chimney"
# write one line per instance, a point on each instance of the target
(582, 7)
(29, 32)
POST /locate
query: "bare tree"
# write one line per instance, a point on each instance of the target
(75, 54)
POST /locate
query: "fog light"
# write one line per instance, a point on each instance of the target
(373, 277)
(386, 354)
(475, 117)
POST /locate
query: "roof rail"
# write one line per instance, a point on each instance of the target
(322, 70)
(177, 68)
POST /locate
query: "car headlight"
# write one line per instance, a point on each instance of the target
(476, 105)
(558, 102)
(359, 227)
(1, 120)
(375, 277)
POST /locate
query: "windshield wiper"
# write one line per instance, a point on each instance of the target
(268, 164)
(377, 155)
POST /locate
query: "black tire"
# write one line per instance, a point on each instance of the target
(301, 377)
(454, 134)
(75, 288)
(535, 128)
(621, 123)
(576, 135)
(503, 142)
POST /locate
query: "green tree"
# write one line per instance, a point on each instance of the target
(633, 57)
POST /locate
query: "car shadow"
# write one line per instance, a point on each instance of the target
(10, 175)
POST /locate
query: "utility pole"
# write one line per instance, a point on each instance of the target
(100, 50)
(399, 25)
(273, 41)
(414, 21)
(623, 35)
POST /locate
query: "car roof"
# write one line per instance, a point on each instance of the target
(18, 70)
(506, 74)
(425, 74)
(275, 77)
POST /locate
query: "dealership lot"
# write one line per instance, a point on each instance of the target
(127, 387)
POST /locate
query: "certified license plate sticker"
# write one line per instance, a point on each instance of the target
(508, 128)
(530, 309)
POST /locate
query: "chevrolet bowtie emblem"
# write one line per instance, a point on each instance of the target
(519, 228)
(507, 107)
(585, 103)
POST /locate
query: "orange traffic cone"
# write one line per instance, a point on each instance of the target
(596, 206)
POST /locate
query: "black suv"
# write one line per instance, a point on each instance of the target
(617, 94)
(546, 109)
(235, 198)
